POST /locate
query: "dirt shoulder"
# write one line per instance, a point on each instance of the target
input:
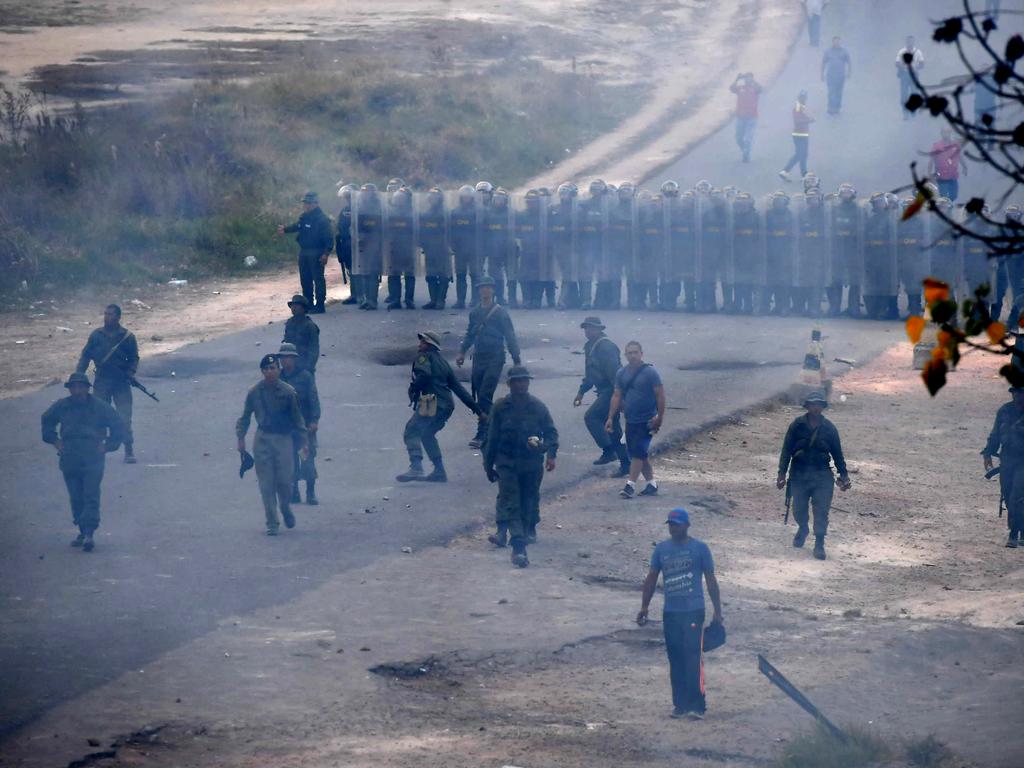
(450, 657)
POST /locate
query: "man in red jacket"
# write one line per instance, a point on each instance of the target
(747, 91)
(801, 137)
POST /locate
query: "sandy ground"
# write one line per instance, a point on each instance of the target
(913, 625)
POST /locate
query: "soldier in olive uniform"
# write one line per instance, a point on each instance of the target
(301, 331)
(304, 384)
(278, 419)
(490, 331)
(114, 352)
(430, 395)
(603, 361)
(522, 443)
(811, 445)
(315, 239)
(83, 428)
(1007, 442)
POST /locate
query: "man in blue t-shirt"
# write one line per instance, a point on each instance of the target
(640, 396)
(682, 561)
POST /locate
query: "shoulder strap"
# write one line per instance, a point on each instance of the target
(113, 349)
(630, 383)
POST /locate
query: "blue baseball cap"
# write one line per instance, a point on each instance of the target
(678, 516)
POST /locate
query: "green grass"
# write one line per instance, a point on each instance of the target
(193, 183)
(820, 749)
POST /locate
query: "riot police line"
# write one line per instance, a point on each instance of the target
(706, 249)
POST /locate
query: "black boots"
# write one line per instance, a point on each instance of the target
(311, 498)
(500, 537)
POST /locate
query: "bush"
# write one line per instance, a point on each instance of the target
(820, 749)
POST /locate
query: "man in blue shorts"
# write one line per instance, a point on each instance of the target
(640, 395)
(682, 562)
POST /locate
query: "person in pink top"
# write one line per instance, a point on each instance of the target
(747, 91)
(944, 163)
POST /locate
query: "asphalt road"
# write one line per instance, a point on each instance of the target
(181, 545)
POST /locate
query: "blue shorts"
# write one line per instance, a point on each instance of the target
(638, 440)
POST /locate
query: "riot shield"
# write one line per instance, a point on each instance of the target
(746, 248)
(527, 227)
(880, 276)
(545, 267)
(368, 222)
(400, 234)
(649, 253)
(462, 231)
(979, 269)
(812, 256)
(780, 252)
(945, 253)
(913, 258)
(682, 247)
(846, 228)
(713, 247)
(478, 261)
(432, 234)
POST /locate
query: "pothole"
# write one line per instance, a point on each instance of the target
(411, 670)
(393, 356)
(735, 365)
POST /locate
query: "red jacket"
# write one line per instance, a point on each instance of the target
(746, 99)
(801, 120)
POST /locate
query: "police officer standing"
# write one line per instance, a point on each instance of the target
(304, 384)
(114, 352)
(343, 242)
(521, 445)
(1007, 442)
(430, 395)
(811, 442)
(82, 428)
(603, 361)
(490, 331)
(278, 421)
(301, 331)
(315, 240)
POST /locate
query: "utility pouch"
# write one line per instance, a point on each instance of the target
(427, 406)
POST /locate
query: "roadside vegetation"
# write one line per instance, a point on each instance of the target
(818, 748)
(193, 183)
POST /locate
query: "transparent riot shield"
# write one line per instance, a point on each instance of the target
(881, 281)
(432, 235)
(526, 226)
(846, 228)
(546, 272)
(978, 268)
(945, 255)
(812, 256)
(913, 257)
(478, 261)
(368, 223)
(727, 257)
(462, 231)
(745, 250)
(401, 234)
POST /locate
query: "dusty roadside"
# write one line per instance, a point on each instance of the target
(912, 626)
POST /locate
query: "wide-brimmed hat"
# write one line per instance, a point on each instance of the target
(519, 372)
(287, 350)
(594, 322)
(816, 397)
(77, 378)
(298, 298)
(433, 338)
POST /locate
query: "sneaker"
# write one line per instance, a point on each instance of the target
(130, 459)
(87, 543)
(350, 300)
(800, 538)
(78, 540)
(531, 535)
(289, 518)
(678, 714)
(650, 490)
(413, 473)
(628, 491)
(694, 715)
(605, 458)
(271, 531)
(476, 442)
(784, 175)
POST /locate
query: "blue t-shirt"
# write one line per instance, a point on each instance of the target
(682, 567)
(640, 404)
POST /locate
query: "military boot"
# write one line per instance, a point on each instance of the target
(1011, 542)
(442, 292)
(410, 291)
(512, 291)
(800, 537)
(438, 475)
(432, 290)
(296, 498)
(394, 292)
(500, 537)
(819, 547)
(129, 454)
(586, 290)
(80, 539)
(478, 439)
(311, 498)
(415, 472)
(607, 456)
(87, 543)
(289, 517)
(531, 533)
(460, 292)
(519, 558)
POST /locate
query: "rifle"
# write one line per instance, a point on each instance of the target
(789, 500)
(142, 388)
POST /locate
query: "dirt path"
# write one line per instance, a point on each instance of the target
(912, 626)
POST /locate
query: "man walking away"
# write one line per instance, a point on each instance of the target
(811, 442)
(802, 120)
(908, 58)
(945, 162)
(83, 429)
(812, 10)
(521, 446)
(639, 394)
(836, 68)
(602, 363)
(683, 562)
(114, 352)
(278, 420)
(1007, 442)
(747, 91)
(304, 384)
(316, 240)
(430, 395)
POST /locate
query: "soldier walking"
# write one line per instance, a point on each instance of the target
(114, 353)
(490, 331)
(83, 428)
(811, 444)
(316, 240)
(300, 330)
(640, 396)
(1007, 442)
(278, 420)
(603, 361)
(430, 395)
(521, 445)
(304, 384)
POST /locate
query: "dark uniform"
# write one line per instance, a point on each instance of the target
(498, 243)
(603, 361)
(642, 287)
(712, 251)
(912, 258)
(532, 238)
(279, 421)
(746, 249)
(847, 265)
(304, 384)
(562, 241)
(87, 430)
(807, 453)
(678, 278)
(436, 255)
(518, 463)
(1007, 442)
(880, 279)
(945, 252)
(811, 266)
(593, 240)
(432, 377)
(490, 331)
(315, 239)
(369, 246)
(779, 251)
(115, 356)
(402, 246)
(305, 335)
(464, 240)
(621, 249)
(343, 243)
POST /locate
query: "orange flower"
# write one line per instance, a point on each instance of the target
(935, 290)
(915, 327)
(996, 332)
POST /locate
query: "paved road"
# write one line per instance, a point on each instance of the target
(181, 546)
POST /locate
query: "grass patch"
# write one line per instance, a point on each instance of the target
(192, 183)
(929, 752)
(820, 749)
